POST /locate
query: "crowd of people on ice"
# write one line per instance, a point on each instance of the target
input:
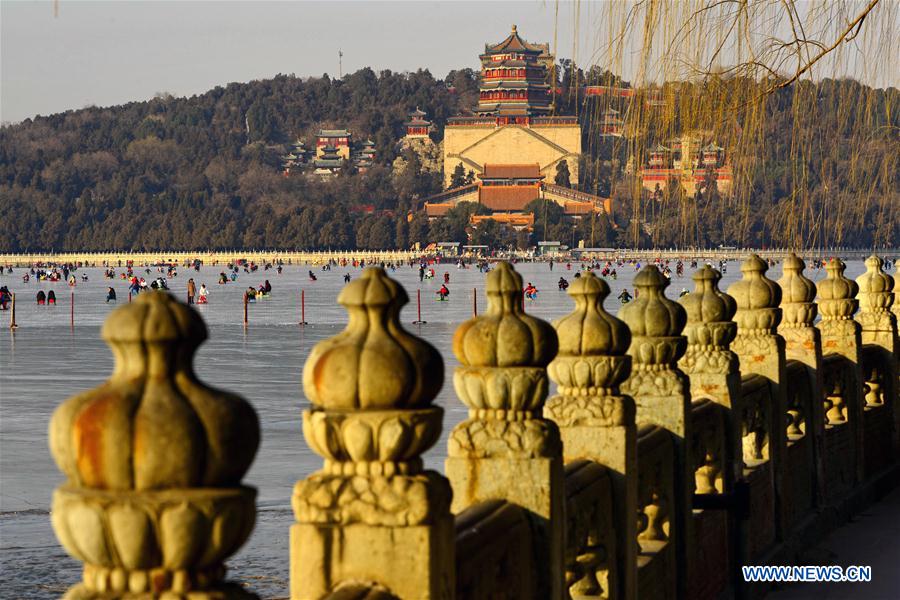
(160, 280)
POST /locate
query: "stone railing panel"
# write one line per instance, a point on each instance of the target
(711, 562)
(841, 422)
(590, 532)
(657, 564)
(756, 427)
(877, 423)
(494, 552)
(800, 458)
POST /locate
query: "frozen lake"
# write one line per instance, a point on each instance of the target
(46, 360)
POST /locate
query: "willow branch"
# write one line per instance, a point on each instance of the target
(857, 22)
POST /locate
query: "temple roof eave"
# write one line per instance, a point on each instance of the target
(514, 43)
(514, 84)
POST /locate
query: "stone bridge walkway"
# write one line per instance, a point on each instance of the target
(872, 538)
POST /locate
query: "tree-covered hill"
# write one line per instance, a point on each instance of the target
(205, 171)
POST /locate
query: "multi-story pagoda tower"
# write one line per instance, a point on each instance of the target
(514, 78)
(364, 156)
(417, 126)
(512, 124)
(612, 124)
(329, 161)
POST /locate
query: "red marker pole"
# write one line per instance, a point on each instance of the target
(303, 308)
(12, 313)
(72, 311)
(523, 300)
(419, 321)
(245, 310)
(474, 302)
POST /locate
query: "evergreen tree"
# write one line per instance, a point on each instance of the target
(458, 178)
(401, 229)
(562, 173)
(419, 230)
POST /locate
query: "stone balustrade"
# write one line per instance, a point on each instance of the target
(682, 440)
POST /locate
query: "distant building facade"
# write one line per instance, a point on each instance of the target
(690, 160)
(418, 141)
(611, 124)
(363, 155)
(339, 139)
(296, 159)
(511, 124)
(328, 160)
(334, 150)
(651, 97)
(507, 189)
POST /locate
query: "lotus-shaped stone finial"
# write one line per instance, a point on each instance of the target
(153, 424)
(374, 364)
(757, 297)
(709, 311)
(875, 287)
(503, 353)
(837, 294)
(655, 321)
(798, 294)
(505, 336)
(154, 460)
(371, 386)
(592, 342)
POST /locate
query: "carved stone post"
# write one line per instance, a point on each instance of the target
(505, 450)
(841, 339)
(837, 304)
(153, 502)
(803, 343)
(595, 420)
(716, 441)
(661, 391)
(761, 351)
(372, 517)
(710, 365)
(878, 323)
(879, 331)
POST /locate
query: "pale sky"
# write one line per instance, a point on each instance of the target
(107, 53)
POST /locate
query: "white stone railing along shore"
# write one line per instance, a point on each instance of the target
(115, 258)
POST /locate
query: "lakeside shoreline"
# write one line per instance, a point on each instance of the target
(403, 256)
